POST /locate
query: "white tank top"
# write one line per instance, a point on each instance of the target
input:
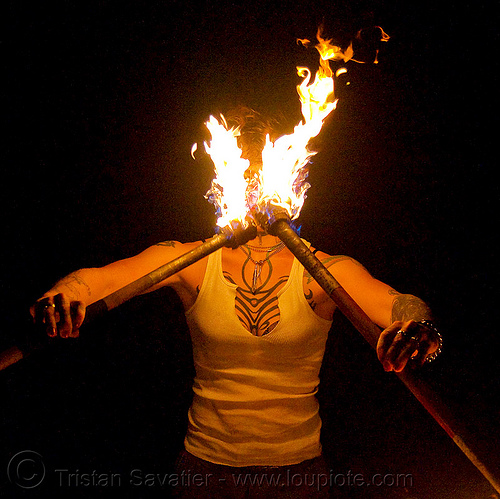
(254, 396)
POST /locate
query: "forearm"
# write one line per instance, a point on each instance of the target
(89, 285)
(86, 285)
(62, 307)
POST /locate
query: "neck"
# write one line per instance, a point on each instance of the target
(264, 239)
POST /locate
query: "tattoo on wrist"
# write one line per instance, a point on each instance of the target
(71, 283)
(408, 307)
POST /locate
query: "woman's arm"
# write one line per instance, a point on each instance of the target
(404, 335)
(62, 307)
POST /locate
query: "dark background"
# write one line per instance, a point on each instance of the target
(102, 102)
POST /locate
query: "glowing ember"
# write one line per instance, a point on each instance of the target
(282, 178)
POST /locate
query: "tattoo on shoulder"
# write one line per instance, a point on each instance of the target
(331, 260)
(167, 243)
(408, 307)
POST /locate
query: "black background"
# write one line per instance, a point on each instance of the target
(102, 102)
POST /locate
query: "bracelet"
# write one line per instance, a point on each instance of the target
(429, 325)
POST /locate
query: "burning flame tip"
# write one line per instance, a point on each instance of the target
(383, 34)
(224, 121)
(303, 41)
(194, 148)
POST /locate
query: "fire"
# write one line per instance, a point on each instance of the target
(228, 189)
(282, 179)
(283, 176)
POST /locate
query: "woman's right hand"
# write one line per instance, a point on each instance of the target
(59, 314)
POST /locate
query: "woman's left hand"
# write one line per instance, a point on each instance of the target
(403, 342)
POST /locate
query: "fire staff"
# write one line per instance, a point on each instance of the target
(259, 324)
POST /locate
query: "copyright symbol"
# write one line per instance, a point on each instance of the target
(26, 469)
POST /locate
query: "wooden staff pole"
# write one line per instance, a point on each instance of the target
(280, 227)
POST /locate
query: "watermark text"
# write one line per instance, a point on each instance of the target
(27, 470)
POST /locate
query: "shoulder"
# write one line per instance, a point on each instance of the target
(158, 254)
(337, 263)
(329, 260)
(187, 279)
(176, 244)
(171, 248)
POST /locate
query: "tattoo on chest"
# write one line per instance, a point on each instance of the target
(258, 310)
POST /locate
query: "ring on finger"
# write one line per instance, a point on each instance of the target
(406, 334)
(49, 305)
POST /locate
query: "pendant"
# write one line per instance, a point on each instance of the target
(256, 275)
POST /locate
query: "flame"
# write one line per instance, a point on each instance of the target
(228, 189)
(282, 178)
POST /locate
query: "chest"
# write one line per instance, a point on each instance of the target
(260, 278)
(256, 286)
(226, 315)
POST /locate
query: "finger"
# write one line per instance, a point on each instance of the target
(33, 312)
(63, 308)
(37, 310)
(424, 349)
(77, 316)
(406, 353)
(386, 338)
(49, 318)
(394, 350)
(399, 345)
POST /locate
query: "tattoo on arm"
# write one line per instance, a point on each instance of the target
(73, 282)
(329, 261)
(167, 243)
(408, 307)
(310, 299)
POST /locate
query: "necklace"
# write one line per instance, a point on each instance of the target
(260, 263)
(263, 249)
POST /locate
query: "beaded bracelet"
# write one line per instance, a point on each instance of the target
(429, 325)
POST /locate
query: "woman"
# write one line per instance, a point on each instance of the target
(259, 325)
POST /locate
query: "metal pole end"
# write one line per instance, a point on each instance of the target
(276, 214)
(237, 235)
